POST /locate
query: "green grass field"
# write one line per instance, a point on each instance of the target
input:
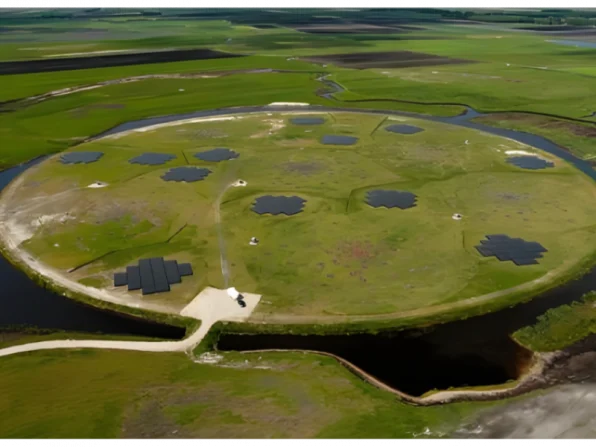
(112, 394)
(335, 256)
(487, 87)
(561, 327)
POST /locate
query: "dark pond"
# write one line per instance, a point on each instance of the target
(24, 303)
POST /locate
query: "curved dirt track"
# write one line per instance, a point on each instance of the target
(147, 346)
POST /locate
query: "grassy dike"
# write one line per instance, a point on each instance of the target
(561, 327)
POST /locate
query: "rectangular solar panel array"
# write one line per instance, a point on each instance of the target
(160, 280)
(120, 279)
(152, 275)
(185, 269)
(172, 272)
(134, 277)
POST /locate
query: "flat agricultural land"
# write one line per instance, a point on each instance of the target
(113, 60)
(111, 394)
(339, 256)
(348, 28)
(385, 59)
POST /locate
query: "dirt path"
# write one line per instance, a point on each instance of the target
(148, 346)
(209, 306)
(223, 258)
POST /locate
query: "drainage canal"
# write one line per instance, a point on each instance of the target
(472, 352)
(409, 362)
(24, 304)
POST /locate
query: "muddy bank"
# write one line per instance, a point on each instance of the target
(568, 410)
(114, 60)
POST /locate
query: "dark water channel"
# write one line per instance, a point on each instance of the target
(472, 352)
(476, 351)
(25, 304)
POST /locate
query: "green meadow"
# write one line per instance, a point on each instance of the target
(111, 394)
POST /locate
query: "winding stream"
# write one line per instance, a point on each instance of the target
(476, 351)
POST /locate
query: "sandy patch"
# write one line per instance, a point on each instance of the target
(215, 305)
(171, 124)
(97, 185)
(209, 358)
(66, 91)
(531, 154)
(291, 104)
(274, 127)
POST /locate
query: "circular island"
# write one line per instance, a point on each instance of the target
(354, 214)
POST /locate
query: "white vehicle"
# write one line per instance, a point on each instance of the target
(236, 296)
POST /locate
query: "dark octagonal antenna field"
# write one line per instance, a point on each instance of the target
(391, 199)
(287, 205)
(530, 162)
(153, 275)
(341, 140)
(404, 129)
(217, 154)
(80, 157)
(505, 248)
(152, 158)
(307, 121)
(186, 174)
